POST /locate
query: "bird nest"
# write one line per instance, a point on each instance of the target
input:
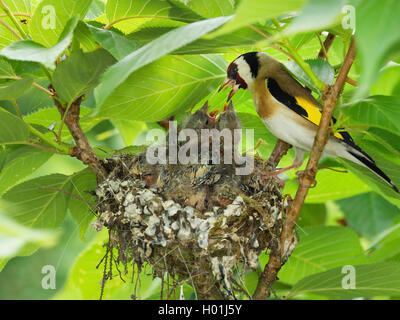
(200, 224)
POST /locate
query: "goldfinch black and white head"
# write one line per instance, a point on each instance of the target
(243, 72)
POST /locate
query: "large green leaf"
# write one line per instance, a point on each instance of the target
(6, 70)
(251, 11)
(39, 203)
(12, 128)
(169, 42)
(321, 69)
(81, 205)
(22, 162)
(117, 9)
(316, 15)
(116, 44)
(319, 249)
(84, 280)
(378, 279)
(15, 6)
(375, 111)
(385, 15)
(14, 237)
(80, 73)
(167, 86)
(47, 116)
(369, 213)
(15, 89)
(28, 50)
(211, 8)
(331, 185)
(388, 82)
(51, 17)
(386, 245)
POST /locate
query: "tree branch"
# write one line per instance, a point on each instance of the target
(278, 252)
(321, 138)
(82, 151)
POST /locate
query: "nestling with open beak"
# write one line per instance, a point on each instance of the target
(289, 111)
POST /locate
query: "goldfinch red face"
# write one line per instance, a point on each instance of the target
(241, 73)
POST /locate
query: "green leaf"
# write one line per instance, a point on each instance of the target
(84, 280)
(6, 70)
(312, 214)
(96, 9)
(81, 204)
(80, 73)
(15, 89)
(321, 68)
(51, 17)
(117, 9)
(319, 249)
(388, 82)
(6, 36)
(114, 43)
(85, 38)
(331, 185)
(152, 51)
(375, 111)
(14, 237)
(161, 89)
(211, 8)
(129, 129)
(12, 128)
(386, 245)
(23, 162)
(369, 213)
(251, 11)
(230, 42)
(378, 279)
(39, 203)
(316, 15)
(28, 50)
(373, 56)
(47, 116)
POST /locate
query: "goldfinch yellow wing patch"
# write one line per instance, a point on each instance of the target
(313, 113)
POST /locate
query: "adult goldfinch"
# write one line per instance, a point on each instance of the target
(289, 111)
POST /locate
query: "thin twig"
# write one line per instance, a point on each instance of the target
(277, 46)
(91, 206)
(13, 19)
(15, 33)
(323, 54)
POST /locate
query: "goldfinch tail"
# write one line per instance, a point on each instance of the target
(365, 160)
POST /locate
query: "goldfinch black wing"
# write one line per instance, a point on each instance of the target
(303, 107)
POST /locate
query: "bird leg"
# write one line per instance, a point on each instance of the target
(297, 162)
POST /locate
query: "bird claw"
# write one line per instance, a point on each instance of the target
(299, 174)
(270, 174)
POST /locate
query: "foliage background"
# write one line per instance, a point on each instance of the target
(138, 62)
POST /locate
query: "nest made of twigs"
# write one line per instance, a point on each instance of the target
(197, 223)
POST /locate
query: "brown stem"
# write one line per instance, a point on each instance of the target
(278, 254)
(326, 46)
(321, 138)
(82, 151)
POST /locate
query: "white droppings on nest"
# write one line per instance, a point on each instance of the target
(235, 208)
(148, 226)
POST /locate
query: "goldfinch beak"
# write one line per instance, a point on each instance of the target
(229, 83)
